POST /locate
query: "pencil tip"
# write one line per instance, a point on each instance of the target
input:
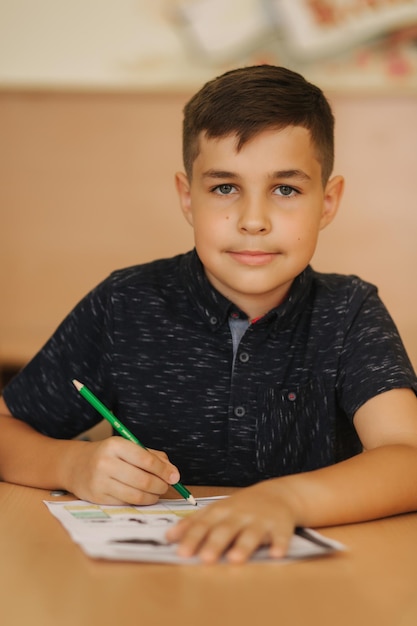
(192, 500)
(77, 384)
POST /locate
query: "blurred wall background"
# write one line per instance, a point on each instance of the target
(91, 104)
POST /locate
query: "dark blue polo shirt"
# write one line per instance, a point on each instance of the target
(154, 343)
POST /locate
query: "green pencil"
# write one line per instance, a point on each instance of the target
(122, 430)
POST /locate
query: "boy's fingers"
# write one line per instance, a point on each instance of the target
(192, 539)
(218, 541)
(251, 539)
(174, 533)
(209, 540)
(159, 453)
(245, 545)
(151, 462)
(279, 544)
(237, 538)
(143, 492)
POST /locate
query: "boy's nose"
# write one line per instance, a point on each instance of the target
(254, 218)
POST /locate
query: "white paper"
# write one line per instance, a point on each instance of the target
(137, 533)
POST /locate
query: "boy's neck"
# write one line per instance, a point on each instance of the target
(256, 310)
(256, 306)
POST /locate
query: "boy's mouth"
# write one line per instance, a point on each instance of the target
(252, 257)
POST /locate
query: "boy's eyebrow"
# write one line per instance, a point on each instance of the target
(295, 173)
(300, 174)
(219, 174)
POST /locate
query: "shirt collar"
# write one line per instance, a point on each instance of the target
(215, 309)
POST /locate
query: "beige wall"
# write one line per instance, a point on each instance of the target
(86, 186)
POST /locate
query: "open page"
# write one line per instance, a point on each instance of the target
(137, 533)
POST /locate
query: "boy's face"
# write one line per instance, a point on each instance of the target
(257, 213)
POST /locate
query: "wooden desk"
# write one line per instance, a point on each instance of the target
(45, 579)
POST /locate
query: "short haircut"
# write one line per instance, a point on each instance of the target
(249, 100)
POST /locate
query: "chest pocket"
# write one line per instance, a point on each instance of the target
(294, 430)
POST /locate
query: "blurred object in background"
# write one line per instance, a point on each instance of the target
(322, 28)
(179, 44)
(338, 43)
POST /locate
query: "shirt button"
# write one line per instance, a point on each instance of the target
(239, 411)
(213, 320)
(243, 357)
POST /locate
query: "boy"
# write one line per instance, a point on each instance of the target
(242, 363)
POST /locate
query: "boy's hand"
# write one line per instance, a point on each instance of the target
(115, 471)
(237, 526)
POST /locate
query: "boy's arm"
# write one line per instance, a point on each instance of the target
(110, 471)
(379, 482)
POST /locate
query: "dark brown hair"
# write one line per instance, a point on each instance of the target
(248, 100)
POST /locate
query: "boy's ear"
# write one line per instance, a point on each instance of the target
(184, 193)
(333, 193)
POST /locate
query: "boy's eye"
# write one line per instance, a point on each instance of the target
(285, 190)
(224, 190)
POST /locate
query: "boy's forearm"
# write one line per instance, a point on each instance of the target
(374, 484)
(29, 458)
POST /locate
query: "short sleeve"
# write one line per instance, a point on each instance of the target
(42, 394)
(373, 359)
